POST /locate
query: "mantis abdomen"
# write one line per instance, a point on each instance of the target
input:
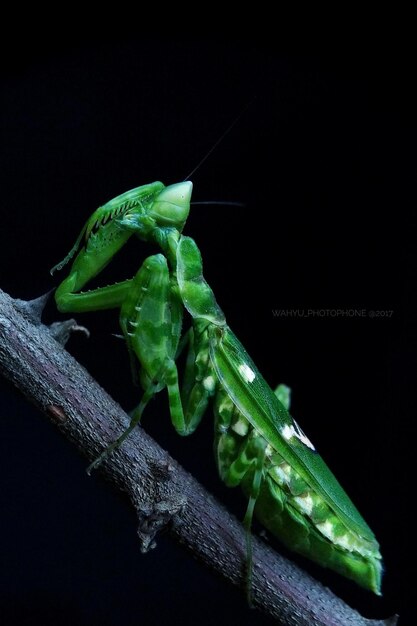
(287, 505)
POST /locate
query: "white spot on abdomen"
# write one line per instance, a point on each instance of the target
(305, 503)
(247, 373)
(326, 528)
(293, 430)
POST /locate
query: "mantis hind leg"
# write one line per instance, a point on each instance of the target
(254, 488)
(247, 467)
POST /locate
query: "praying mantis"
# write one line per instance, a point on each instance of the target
(258, 444)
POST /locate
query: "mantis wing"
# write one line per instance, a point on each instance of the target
(255, 399)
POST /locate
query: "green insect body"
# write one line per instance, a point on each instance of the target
(258, 445)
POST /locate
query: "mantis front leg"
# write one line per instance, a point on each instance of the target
(89, 262)
(110, 297)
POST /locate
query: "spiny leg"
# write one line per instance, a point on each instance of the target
(135, 419)
(247, 520)
(98, 249)
(110, 297)
(144, 211)
(248, 466)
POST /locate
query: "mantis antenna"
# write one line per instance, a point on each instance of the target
(220, 139)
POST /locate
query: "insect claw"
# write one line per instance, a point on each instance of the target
(134, 324)
(138, 308)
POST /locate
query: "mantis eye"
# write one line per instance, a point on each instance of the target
(172, 205)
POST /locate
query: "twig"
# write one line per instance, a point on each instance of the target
(163, 494)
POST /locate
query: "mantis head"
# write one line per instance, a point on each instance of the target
(172, 205)
(156, 207)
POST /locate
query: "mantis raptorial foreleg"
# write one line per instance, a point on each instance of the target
(85, 267)
(110, 297)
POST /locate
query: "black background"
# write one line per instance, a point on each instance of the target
(322, 160)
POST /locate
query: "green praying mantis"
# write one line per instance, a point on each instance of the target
(258, 445)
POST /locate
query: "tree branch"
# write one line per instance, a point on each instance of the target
(162, 493)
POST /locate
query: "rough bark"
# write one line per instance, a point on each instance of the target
(164, 495)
